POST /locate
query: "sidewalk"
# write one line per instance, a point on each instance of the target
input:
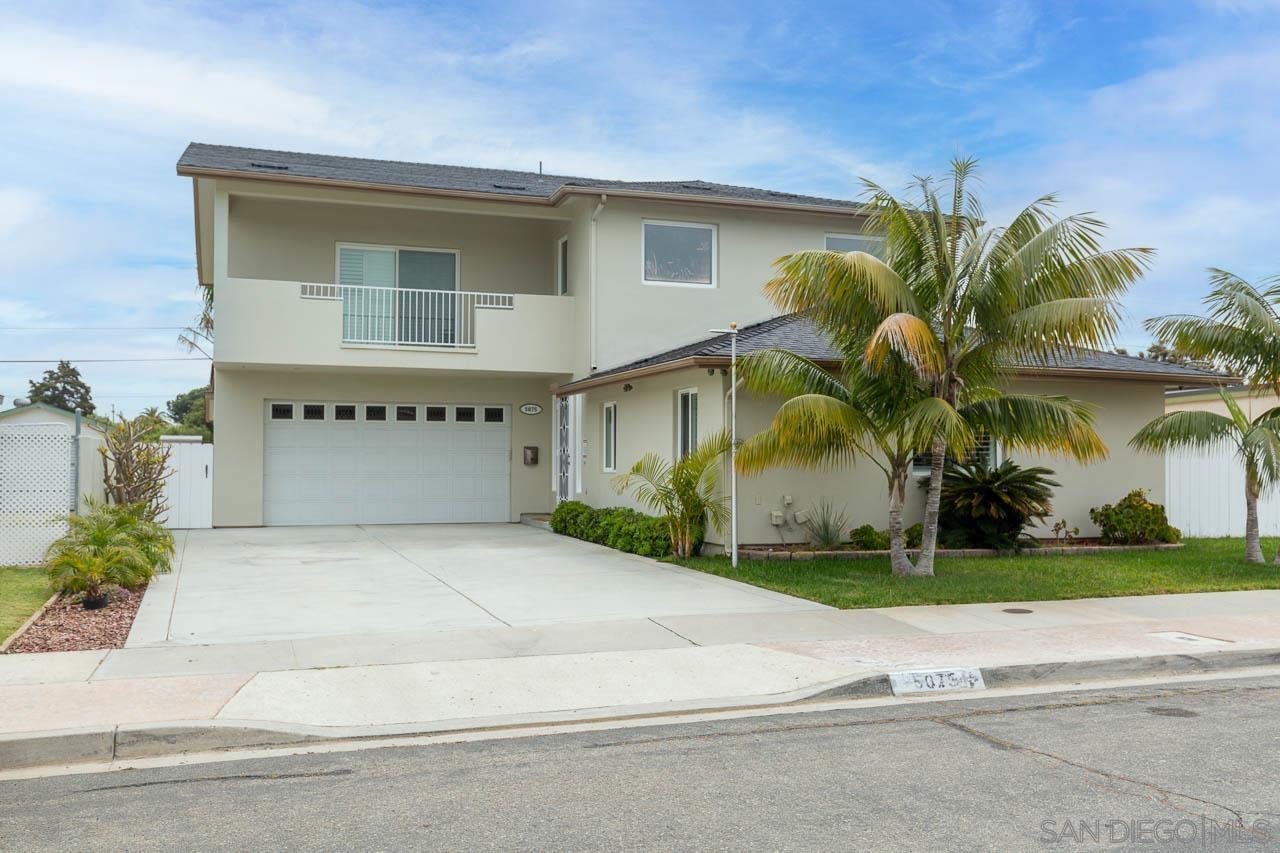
(63, 707)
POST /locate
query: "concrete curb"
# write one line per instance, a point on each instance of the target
(151, 740)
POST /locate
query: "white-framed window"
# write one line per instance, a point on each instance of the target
(562, 266)
(686, 421)
(869, 243)
(405, 267)
(391, 294)
(609, 436)
(678, 254)
(985, 449)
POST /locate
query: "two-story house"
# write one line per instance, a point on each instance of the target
(403, 342)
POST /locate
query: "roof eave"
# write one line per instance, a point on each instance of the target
(589, 382)
(543, 201)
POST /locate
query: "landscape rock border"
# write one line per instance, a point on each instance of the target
(1048, 551)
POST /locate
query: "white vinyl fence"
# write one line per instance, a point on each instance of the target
(38, 487)
(188, 491)
(1204, 494)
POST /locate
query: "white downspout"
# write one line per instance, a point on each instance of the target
(594, 264)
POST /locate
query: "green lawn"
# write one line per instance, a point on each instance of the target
(22, 590)
(1204, 565)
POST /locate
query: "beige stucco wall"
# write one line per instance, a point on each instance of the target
(1252, 404)
(290, 240)
(636, 319)
(270, 323)
(646, 422)
(241, 395)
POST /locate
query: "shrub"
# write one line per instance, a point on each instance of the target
(621, 528)
(913, 535)
(685, 491)
(988, 507)
(108, 546)
(572, 518)
(867, 538)
(1134, 520)
(826, 525)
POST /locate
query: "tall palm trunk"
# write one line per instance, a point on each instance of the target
(1252, 544)
(898, 558)
(932, 505)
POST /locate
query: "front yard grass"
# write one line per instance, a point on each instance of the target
(1204, 565)
(22, 590)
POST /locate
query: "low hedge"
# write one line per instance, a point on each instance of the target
(617, 527)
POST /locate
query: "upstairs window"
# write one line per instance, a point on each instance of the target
(869, 243)
(679, 253)
(562, 266)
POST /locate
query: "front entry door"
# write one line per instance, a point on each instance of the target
(564, 450)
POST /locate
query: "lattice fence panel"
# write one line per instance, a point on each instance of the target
(37, 489)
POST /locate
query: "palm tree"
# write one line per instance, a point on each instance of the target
(960, 304)
(1256, 444)
(832, 419)
(686, 492)
(1241, 332)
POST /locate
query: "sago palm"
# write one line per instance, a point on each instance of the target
(987, 506)
(96, 552)
(961, 304)
(685, 491)
(1256, 444)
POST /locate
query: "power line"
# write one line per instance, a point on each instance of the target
(91, 328)
(92, 360)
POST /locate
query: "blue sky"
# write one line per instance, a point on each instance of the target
(1164, 117)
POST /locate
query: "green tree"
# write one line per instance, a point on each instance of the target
(1256, 445)
(1240, 331)
(183, 405)
(961, 303)
(833, 419)
(62, 387)
(686, 492)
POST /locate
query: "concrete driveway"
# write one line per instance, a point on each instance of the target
(247, 585)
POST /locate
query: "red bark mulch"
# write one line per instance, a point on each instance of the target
(67, 627)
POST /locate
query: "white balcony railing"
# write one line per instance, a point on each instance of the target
(405, 317)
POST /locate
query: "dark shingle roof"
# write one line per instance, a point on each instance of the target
(430, 176)
(799, 335)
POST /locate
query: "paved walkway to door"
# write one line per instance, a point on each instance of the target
(254, 584)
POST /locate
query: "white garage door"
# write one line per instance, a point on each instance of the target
(385, 463)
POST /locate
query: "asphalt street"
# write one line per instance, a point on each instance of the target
(1190, 766)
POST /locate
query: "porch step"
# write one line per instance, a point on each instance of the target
(536, 519)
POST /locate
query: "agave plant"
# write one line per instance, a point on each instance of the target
(988, 507)
(686, 492)
(826, 525)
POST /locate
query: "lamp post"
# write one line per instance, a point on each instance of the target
(732, 332)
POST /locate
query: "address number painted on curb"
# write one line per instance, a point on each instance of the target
(935, 680)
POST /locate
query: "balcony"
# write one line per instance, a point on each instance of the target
(302, 324)
(391, 316)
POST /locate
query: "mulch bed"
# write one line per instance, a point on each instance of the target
(67, 627)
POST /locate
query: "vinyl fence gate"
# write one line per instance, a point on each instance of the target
(38, 485)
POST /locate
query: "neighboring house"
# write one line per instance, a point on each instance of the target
(43, 413)
(1252, 401)
(47, 418)
(401, 342)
